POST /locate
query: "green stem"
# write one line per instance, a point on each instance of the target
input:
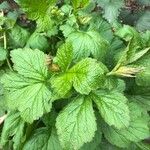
(5, 47)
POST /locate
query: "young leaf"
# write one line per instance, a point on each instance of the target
(127, 33)
(111, 8)
(84, 77)
(38, 10)
(113, 107)
(64, 56)
(27, 90)
(80, 3)
(43, 139)
(86, 43)
(76, 123)
(137, 130)
(13, 126)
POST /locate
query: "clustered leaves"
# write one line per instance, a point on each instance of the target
(75, 75)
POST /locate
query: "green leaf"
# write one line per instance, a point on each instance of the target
(30, 63)
(40, 13)
(113, 107)
(76, 123)
(138, 129)
(43, 139)
(3, 54)
(64, 56)
(99, 24)
(141, 99)
(84, 77)
(143, 78)
(13, 127)
(33, 9)
(38, 41)
(4, 5)
(80, 3)
(143, 23)
(18, 37)
(2, 100)
(27, 90)
(127, 33)
(86, 43)
(111, 8)
(144, 2)
(95, 142)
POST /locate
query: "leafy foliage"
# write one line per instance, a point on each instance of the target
(74, 75)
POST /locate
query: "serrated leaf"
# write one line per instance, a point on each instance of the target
(113, 107)
(38, 10)
(84, 76)
(27, 90)
(76, 123)
(13, 126)
(138, 129)
(43, 139)
(30, 63)
(18, 37)
(38, 41)
(64, 56)
(99, 24)
(142, 99)
(111, 8)
(94, 144)
(86, 43)
(127, 33)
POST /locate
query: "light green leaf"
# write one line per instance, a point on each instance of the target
(30, 63)
(138, 129)
(143, 78)
(43, 139)
(94, 144)
(27, 91)
(80, 3)
(76, 123)
(38, 41)
(111, 8)
(64, 56)
(127, 33)
(138, 55)
(3, 107)
(142, 99)
(84, 77)
(99, 24)
(113, 107)
(13, 126)
(3, 54)
(67, 29)
(30, 96)
(38, 10)
(86, 43)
